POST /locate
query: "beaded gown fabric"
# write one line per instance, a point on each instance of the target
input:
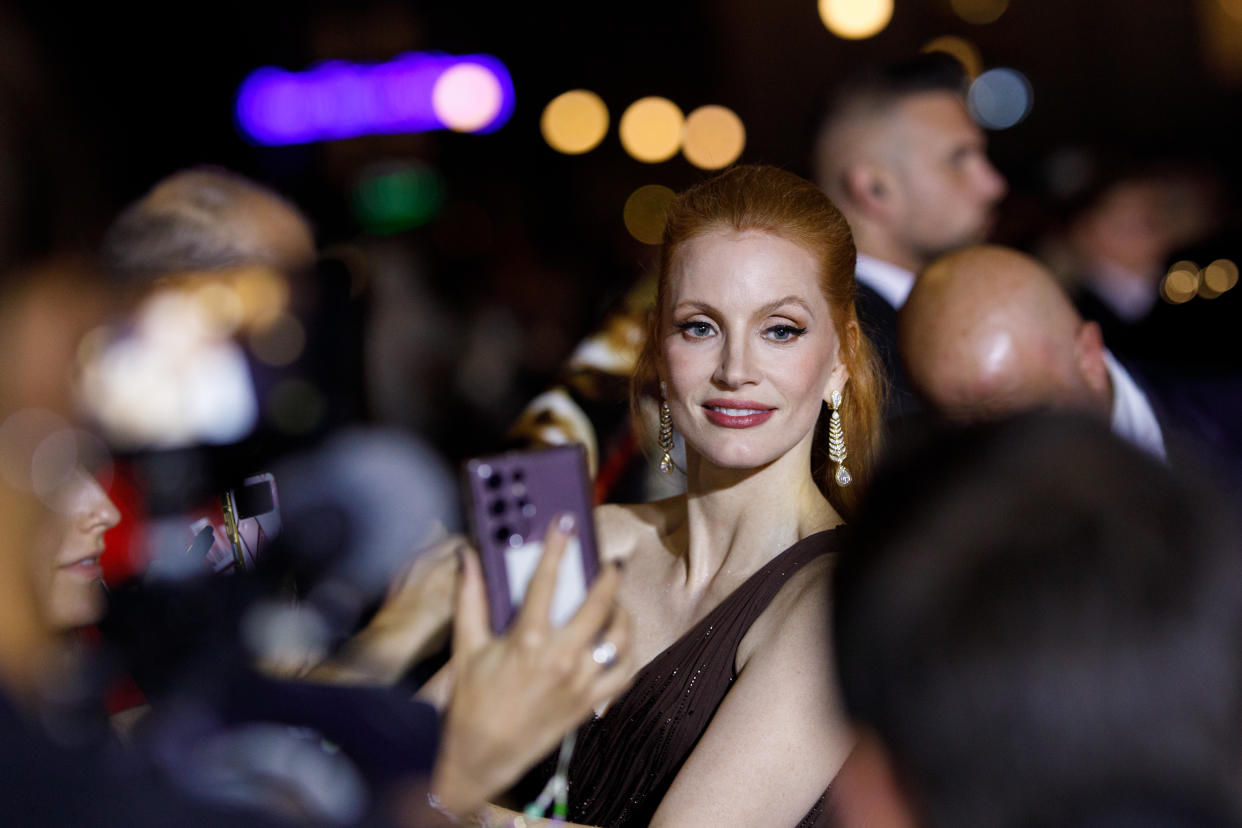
(625, 762)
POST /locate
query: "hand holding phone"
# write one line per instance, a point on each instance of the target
(513, 498)
(513, 697)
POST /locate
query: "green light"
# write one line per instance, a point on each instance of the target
(394, 198)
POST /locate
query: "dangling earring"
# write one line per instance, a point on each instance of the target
(836, 442)
(666, 433)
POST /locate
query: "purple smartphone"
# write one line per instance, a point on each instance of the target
(513, 497)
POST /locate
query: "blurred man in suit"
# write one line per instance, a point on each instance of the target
(899, 154)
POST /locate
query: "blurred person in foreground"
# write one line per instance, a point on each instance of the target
(1051, 635)
(207, 218)
(490, 734)
(364, 500)
(51, 777)
(900, 155)
(74, 579)
(44, 308)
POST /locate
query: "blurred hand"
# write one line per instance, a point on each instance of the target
(411, 624)
(423, 592)
(516, 696)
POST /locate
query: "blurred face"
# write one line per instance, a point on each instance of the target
(749, 350)
(73, 578)
(947, 187)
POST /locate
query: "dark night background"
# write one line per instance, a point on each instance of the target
(140, 90)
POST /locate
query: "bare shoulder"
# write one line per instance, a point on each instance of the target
(623, 528)
(798, 617)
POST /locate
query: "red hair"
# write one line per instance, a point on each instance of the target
(778, 202)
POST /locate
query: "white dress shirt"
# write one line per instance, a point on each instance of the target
(890, 281)
(1133, 418)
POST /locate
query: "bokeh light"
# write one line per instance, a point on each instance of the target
(966, 52)
(176, 378)
(414, 92)
(281, 343)
(467, 97)
(651, 129)
(1218, 277)
(574, 122)
(1181, 283)
(263, 292)
(714, 137)
(855, 19)
(980, 11)
(33, 451)
(221, 305)
(395, 197)
(1000, 98)
(645, 212)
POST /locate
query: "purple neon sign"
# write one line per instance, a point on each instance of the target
(337, 99)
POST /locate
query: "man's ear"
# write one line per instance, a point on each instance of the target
(871, 187)
(866, 793)
(1089, 351)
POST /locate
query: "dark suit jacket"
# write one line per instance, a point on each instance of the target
(879, 323)
(1200, 419)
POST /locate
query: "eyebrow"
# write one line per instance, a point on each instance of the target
(766, 310)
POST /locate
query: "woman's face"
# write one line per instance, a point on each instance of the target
(73, 578)
(749, 350)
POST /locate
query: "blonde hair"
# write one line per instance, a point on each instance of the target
(778, 202)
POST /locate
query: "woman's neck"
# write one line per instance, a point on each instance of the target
(738, 520)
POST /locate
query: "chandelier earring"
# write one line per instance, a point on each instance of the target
(666, 433)
(836, 442)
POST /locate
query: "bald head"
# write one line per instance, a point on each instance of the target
(988, 332)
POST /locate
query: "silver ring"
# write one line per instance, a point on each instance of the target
(604, 654)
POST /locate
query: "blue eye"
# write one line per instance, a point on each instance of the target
(695, 329)
(783, 333)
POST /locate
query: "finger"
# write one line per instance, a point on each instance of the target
(470, 622)
(595, 610)
(605, 651)
(612, 681)
(619, 633)
(537, 605)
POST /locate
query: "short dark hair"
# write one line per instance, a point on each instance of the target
(876, 88)
(1053, 629)
(888, 82)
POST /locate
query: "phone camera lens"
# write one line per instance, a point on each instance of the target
(497, 507)
(518, 474)
(493, 481)
(503, 533)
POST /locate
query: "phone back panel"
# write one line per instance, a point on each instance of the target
(513, 497)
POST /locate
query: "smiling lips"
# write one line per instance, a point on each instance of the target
(86, 567)
(737, 413)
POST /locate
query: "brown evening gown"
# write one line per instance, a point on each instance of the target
(625, 761)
